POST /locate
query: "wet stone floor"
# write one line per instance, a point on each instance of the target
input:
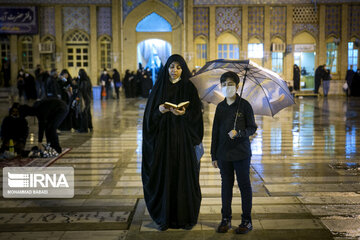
(305, 176)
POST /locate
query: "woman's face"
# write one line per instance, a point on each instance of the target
(175, 70)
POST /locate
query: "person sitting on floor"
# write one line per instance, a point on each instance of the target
(14, 127)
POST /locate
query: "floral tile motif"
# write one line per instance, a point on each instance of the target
(333, 21)
(313, 29)
(104, 21)
(58, 1)
(129, 5)
(228, 19)
(256, 22)
(278, 22)
(201, 22)
(76, 18)
(176, 5)
(354, 21)
(243, 2)
(47, 21)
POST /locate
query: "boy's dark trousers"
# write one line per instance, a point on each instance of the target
(242, 170)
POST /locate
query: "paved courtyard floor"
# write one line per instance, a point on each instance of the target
(305, 174)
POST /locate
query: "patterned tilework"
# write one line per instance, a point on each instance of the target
(76, 18)
(333, 21)
(278, 22)
(129, 5)
(104, 21)
(47, 21)
(313, 29)
(242, 2)
(305, 14)
(354, 21)
(228, 19)
(176, 5)
(256, 22)
(201, 22)
(58, 1)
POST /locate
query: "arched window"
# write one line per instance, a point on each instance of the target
(77, 52)
(47, 52)
(256, 50)
(201, 52)
(105, 52)
(26, 51)
(277, 55)
(4, 48)
(332, 54)
(353, 54)
(153, 23)
(228, 46)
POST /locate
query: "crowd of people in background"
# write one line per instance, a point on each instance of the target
(75, 92)
(352, 78)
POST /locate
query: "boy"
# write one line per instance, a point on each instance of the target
(231, 151)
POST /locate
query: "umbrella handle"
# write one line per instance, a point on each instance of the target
(242, 88)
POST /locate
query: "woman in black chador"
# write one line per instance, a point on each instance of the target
(170, 171)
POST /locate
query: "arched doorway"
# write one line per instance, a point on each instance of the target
(77, 52)
(153, 53)
(304, 57)
(132, 36)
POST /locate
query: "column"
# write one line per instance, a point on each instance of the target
(322, 44)
(36, 50)
(289, 56)
(14, 66)
(93, 45)
(244, 33)
(190, 33)
(115, 35)
(59, 55)
(212, 34)
(267, 40)
(121, 36)
(343, 53)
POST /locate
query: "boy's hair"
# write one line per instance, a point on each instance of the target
(233, 76)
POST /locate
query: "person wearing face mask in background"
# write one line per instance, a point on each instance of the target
(14, 127)
(231, 151)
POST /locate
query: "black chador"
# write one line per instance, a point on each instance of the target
(170, 171)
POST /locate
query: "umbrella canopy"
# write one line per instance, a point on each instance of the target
(265, 90)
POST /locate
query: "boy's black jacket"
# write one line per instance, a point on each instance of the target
(222, 147)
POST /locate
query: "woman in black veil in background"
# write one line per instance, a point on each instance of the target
(170, 171)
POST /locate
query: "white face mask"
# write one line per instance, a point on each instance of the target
(228, 91)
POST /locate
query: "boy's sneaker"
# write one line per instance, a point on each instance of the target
(244, 227)
(224, 226)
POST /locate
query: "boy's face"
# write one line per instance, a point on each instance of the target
(229, 88)
(229, 82)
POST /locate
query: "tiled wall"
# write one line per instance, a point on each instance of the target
(256, 22)
(104, 21)
(354, 21)
(201, 22)
(47, 21)
(76, 18)
(228, 19)
(278, 22)
(333, 21)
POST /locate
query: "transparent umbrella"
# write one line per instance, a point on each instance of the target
(265, 90)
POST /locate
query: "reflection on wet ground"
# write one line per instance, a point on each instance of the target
(305, 175)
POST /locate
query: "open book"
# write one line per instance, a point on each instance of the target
(169, 105)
